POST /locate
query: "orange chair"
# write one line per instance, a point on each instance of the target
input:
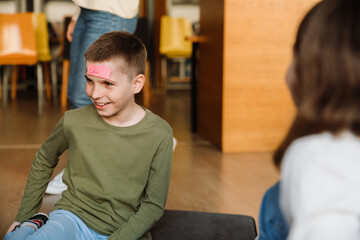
(18, 47)
(44, 56)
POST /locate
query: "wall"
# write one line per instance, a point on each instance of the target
(256, 107)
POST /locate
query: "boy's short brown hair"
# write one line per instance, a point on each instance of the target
(119, 45)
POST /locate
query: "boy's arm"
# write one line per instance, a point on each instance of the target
(153, 203)
(42, 167)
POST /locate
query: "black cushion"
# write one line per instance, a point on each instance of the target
(188, 225)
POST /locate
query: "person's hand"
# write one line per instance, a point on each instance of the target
(12, 226)
(70, 30)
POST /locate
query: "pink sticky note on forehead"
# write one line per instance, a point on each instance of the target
(98, 71)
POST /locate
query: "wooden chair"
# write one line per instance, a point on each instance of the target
(18, 47)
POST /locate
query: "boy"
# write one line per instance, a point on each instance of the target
(120, 155)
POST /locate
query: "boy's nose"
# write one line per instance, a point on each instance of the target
(96, 92)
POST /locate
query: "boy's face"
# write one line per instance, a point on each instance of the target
(111, 91)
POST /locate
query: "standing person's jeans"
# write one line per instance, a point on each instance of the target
(90, 25)
(271, 220)
(62, 225)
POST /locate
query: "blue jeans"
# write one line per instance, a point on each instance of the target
(90, 25)
(62, 225)
(272, 224)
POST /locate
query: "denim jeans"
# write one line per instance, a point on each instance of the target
(90, 25)
(62, 225)
(272, 224)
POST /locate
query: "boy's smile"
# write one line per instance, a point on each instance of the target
(113, 97)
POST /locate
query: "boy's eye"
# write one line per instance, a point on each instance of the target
(108, 84)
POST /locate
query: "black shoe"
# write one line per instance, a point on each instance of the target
(37, 220)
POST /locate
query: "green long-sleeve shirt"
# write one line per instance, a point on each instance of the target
(117, 177)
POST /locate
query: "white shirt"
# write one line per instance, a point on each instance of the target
(320, 187)
(122, 8)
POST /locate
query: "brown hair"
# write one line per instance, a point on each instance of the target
(327, 72)
(119, 45)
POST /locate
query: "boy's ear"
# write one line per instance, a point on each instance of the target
(138, 83)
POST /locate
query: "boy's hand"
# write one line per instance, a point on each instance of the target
(12, 226)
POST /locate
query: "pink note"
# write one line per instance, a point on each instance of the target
(99, 71)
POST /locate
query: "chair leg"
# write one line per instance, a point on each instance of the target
(65, 77)
(163, 71)
(40, 87)
(5, 85)
(46, 66)
(1, 69)
(182, 67)
(14, 79)
(54, 81)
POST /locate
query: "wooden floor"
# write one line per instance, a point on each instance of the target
(203, 179)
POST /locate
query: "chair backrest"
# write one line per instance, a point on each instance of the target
(42, 37)
(190, 225)
(17, 39)
(173, 33)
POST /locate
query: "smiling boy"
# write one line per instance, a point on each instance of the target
(120, 155)
(114, 97)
